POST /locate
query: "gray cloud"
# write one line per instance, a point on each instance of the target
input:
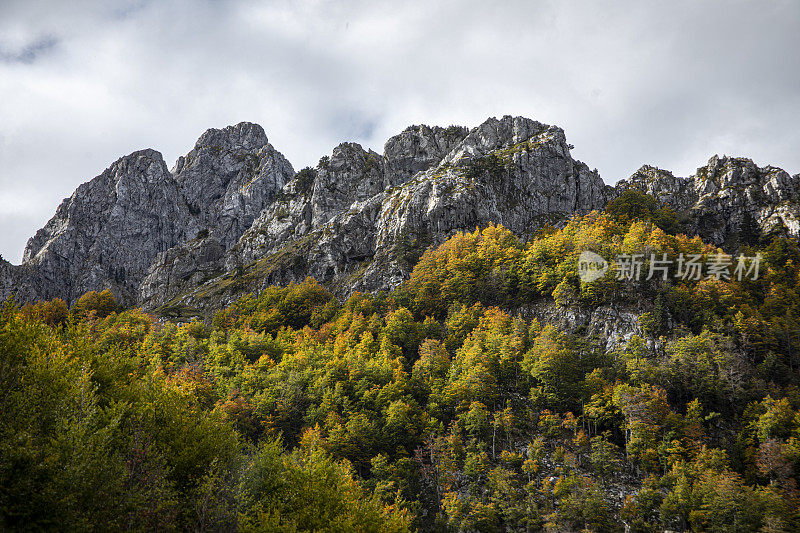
(29, 52)
(668, 84)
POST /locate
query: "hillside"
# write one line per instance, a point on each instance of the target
(470, 332)
(493, 390)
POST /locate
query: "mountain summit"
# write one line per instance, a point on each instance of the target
(233, 216)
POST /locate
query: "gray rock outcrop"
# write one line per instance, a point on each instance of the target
(181, 269)
(418, 148)
(108, 232)
(363, 223)
(233, 216)
(226, 181)
(728, 200)
(229, 177)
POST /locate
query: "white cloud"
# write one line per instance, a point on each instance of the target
(631, 83)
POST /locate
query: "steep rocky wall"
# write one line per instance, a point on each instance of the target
(229, 177)
(233, 216)
(357, 236)
(724, 197)
(110, 230)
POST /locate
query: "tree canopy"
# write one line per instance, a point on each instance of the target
(461, 401)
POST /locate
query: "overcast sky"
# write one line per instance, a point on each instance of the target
(663, 83)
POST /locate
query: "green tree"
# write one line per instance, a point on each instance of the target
(101, 304)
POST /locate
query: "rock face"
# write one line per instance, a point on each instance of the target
(22, 281)
(419, 148)
(612, 323)
(728, 201)
(359, 221)
(675, 192)
(351, 174)
(110, 230)
(512, 171)
(137, 215)
(226, 181)
(233, 216)
(180, 269)
(229, 177)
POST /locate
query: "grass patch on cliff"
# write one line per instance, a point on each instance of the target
(253, 276)
(178, 311)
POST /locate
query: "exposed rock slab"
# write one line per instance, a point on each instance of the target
(726, 200)
(108, 232)
(229, 177)
(359, 235)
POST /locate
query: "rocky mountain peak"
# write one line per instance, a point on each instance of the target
(350, 174)
(726, 201)
(345, 155)
(649, 173)
(495, 134)
(359, 232)
(118, 182)
(244, 136)
(233, 207)
(147, 163)
(229, 177)
(108, 232)
(662, 184)
(418, 148)
(739, 173)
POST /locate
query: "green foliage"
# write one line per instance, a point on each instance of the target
(636, 205)
(277, 488)
(51, 312)
(295, 306)
(305, 179)
(101, 304)
(468, 268)
(79, 452)
(96, 433)
(490, 165)
(444, 405)
(559, 366)
(409, 247)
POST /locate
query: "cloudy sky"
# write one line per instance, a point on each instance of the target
(664, 83)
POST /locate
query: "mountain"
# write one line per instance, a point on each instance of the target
(233, 216)
(491, 388)
(724, 198)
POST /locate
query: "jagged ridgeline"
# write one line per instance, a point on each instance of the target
(233, 216)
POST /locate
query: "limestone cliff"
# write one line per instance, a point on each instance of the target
(359, 221)
(233, 216)
(108, 232)
(728, 200)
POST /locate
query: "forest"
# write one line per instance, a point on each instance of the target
(456, 402)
